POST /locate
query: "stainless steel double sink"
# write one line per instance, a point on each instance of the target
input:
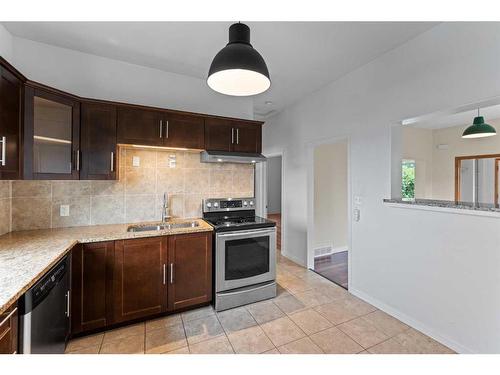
(162, 226)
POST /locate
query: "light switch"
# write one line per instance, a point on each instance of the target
(136, 161)
(357, 214)
(64, 210)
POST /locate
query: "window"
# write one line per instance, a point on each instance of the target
(408, 179)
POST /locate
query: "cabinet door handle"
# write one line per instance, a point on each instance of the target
(112, 161)
(68, 304)
(232, 135)
(161, 128)
(164, 274)
(4, 147)
(167, 128)
(237, 136)
(77, 160)
(171, 273)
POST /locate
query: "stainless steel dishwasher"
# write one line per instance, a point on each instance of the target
(45, 311)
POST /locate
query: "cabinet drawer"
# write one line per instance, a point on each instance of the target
(8, 330)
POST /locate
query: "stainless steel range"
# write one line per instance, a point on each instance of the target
(245, 252)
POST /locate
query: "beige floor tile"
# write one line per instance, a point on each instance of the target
(184, 350)
(342, 310)
(390, 346)
(203, 329)
(85, 342)
(236, 319)
(313, 298)
(310, 321)
(265, 311)
(296, 285)
(166, 339)
(334, 341)
(126, 345)
(386, 323)
(219, 345)
(272, 351)
(289, 304)
(166, 321)
(91, 350)
(282, 331)
(120, 333)
(302, 346)
(281, 292)
(417, 342)
(363, 332)
(202, 312)
(252, 340)
(333, 291)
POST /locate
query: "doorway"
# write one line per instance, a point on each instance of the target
(330, 231)
(273, 194)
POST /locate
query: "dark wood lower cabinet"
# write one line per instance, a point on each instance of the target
(91, 286)
(139, 278)
(8, 330)
(190, 270)
(120, 281)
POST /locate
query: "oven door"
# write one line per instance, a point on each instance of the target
(245, 258)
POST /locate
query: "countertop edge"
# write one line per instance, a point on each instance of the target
(445, 208)
(125, 236)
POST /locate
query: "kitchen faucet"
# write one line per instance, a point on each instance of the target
(165, 208)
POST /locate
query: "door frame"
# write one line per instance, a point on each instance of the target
(497, 167)
(261, 192)
(310, 201)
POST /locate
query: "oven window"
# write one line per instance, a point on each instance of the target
(246, 257)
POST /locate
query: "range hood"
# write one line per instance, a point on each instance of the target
(231, 157)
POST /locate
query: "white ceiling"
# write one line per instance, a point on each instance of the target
(301, 56)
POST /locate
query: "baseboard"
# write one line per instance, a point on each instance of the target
(293, 258)
(328, 250)
(452, 344)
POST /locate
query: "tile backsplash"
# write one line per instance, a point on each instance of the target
(137, 196)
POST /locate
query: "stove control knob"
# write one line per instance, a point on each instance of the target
(251, 203)
(209, 204)
(245, 203)
(216, 204)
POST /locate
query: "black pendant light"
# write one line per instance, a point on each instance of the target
(238, 69)
(479, 129)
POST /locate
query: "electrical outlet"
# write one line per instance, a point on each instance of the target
(64, 210)
(172, 161)
(358, 200)
(136, 161)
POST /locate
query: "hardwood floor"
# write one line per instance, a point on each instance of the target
(333, 267)
(277, 219)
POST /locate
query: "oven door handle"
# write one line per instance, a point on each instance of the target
(247, 232)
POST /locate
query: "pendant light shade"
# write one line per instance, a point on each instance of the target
(479, 129)
(238, 69)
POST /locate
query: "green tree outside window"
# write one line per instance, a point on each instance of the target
(408, 179)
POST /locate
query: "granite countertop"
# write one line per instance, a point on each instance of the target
(446, 204)
(25, 256)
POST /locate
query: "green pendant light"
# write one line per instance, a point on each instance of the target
(479, 129)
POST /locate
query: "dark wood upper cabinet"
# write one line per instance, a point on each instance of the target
(184, 131)
(139, 126)
(232, 135)
(219, 135)
(51, 135)
(10, 124)
(98, 142)
(139, 278)
(248, 138)
(91, 286)
(190, 270)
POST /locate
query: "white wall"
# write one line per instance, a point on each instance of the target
(274, 185)
(5, 44)
(102, 78)
(437, 271)
(330, 196)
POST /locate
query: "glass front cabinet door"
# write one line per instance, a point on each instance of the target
(52, 135)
